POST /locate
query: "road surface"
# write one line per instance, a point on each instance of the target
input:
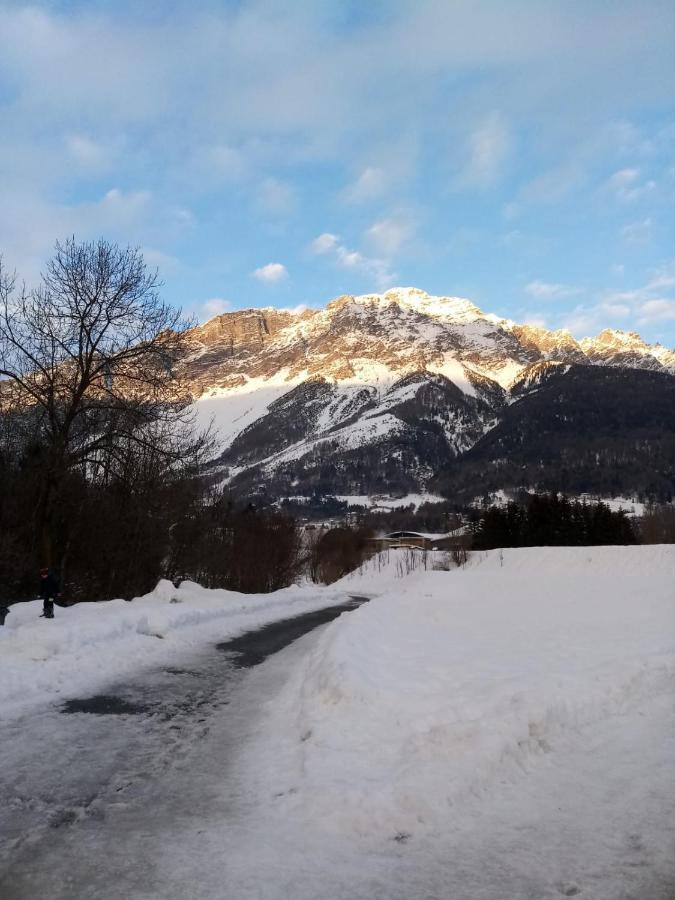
(89, 786)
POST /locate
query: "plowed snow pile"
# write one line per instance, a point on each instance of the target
(452, 682)
(88, 645)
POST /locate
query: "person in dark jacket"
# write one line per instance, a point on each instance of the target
(50, 590)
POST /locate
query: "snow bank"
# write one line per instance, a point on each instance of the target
(449, 681)
(86, 646)
(635, 562)
(89, 645)
(383, 571)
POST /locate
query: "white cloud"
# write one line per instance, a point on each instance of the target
(555, 184)
(624, 179)
(636, 233)
(160, 260)
(30, 224)
(370, 184)
(325, 243)
(216, 306)
(489, 148)
(388, 235)
(626, 185)
(266, 92)
(544, 290)
(583, 321)
(536, 319)
(352, 259)
(645, 305)
(618, 310)
(86, 152)
(329, 245)
(662, 278)
(271, 273)
(294, 310)
(225, 162)
(123, 205)
(659, 310)
(275, 197)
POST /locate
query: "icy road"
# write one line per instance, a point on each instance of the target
(94, 790)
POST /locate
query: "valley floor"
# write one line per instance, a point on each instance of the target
(505, 730)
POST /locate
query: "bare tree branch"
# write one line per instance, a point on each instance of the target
(93, 348)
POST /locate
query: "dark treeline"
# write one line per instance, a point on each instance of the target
(427, 517)
(551, 520)
(222, 544)
(657, 525)
(108, 537)
(337, 552)
(118, 538)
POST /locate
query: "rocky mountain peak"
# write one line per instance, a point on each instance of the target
(413, 300)
(245, 325)
(387, 386)
(615, 338)
(548, 342)
(373, 338)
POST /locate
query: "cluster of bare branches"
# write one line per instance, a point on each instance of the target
(220, 543)
(87, 373)
(335, 553)
(657, 525)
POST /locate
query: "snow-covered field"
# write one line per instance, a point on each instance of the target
(504, 730)
(452, 680)
(461, 713)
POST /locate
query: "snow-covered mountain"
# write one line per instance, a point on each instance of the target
(396, 383)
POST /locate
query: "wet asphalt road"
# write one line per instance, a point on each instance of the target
(69, 770)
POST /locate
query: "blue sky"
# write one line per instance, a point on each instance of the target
(266, 153)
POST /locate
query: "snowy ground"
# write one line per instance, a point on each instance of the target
(87, 645)
(508, 727)
(502, 731)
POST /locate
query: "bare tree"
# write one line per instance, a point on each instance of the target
(338, 552)
(90, 355)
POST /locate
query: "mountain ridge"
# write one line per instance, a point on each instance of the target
(403, 380)
(428, 323)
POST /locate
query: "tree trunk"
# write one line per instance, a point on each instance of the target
(46, 514)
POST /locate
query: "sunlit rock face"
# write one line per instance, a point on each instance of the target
(381, 335)
(626, 348)
(401, 381)
(559, 345)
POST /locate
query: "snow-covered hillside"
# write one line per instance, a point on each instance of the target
(410, 379)
(376, 339)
